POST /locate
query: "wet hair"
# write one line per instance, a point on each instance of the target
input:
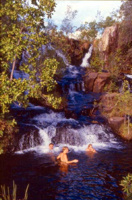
(90, 145)
(51, 144)
(65, 147)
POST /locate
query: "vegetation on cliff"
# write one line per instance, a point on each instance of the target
(22, 32)
(114, 53)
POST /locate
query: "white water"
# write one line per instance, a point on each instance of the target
(60, 54)
(85, 62)
(72, 71)
(80, 137)
(76, 138)
(128, 76)
(51, 118)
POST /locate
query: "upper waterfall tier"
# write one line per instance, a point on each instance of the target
(85, 61)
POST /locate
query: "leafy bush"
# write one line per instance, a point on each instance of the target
(126, 183)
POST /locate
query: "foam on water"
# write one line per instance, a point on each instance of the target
(85, 62)
(51, 118)
(128, 76)
(76, 139)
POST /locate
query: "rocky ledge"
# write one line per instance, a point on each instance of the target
(118, 123)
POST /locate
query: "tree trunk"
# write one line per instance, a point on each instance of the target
(14, 62)
(128, 124)
(13, 67)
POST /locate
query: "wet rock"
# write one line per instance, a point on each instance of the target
(89, 80)
(70, 114)
(100, 82)
(115, 123)
(67, 135)
(77, 49)
(28, 137)
(95, 82)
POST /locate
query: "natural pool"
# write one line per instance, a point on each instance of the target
(96, 176)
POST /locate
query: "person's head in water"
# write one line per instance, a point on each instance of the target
(90, 145)
(90, 148)
(65, 149)
(51, 146)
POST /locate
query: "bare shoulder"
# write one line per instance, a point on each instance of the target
(59, 156)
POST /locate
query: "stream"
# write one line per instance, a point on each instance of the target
(95, 177)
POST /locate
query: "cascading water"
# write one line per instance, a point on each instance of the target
(54, 127)
(60, 54)
(85, 61)
(43, 126)
(95, 176)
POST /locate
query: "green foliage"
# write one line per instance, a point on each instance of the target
(112, 86)
(108, 21)
(126, 25)
(125, 100)
(119, 105)
(6, 195)
(23, 30)
(11, 91)
(96, 63)
(119, 61)
(89, 31)
(126, 183)
(66, 26)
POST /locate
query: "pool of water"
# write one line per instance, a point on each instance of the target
(96, 176)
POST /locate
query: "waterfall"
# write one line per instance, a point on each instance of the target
(55, 127)
(85, 61)
(60, 54)
(74, 128)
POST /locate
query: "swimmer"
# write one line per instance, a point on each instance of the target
(63, 156)
(91, 149)
(51, 146)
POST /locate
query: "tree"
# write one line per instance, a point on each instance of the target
(108, 21)
(66, 25)
(23, 31)
(126, 25)
(124, 102)
(89, 30)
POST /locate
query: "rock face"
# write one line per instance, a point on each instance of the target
(77, 50)
(95, 82)
(108, 102)
(100, 82)
(109, 39)
(112, 114)
(108, 43)
(115, 123)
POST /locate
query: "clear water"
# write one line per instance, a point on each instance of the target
(96, 176)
